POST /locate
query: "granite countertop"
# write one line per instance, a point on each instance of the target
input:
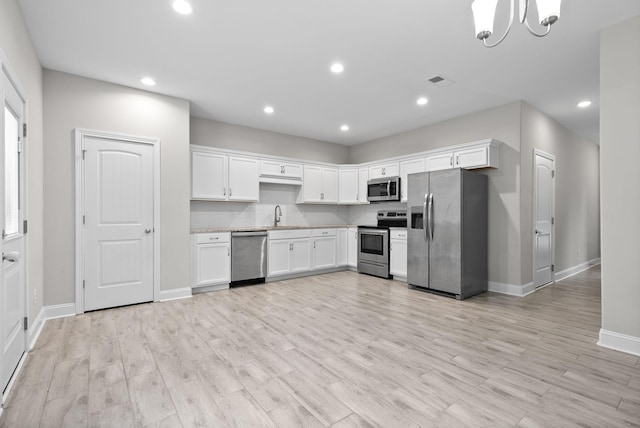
(254, 228)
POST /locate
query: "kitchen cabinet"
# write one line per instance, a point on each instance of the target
(390, 169)
(398, 253)
(218, 177)
(348, 186)
(283, 172)
(363, 177)
(320, 185)
(407, 167)
(352, 247)
(481, 156)
(343, 247)
(210, 259)
(289, 252)
(324, 248)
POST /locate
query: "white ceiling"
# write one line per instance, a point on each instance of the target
(230, 58)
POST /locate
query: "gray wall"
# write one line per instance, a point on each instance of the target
(76, 102)
(501, 123)
(620, 175)
(577, 191)
(15, 43)
(234, 137)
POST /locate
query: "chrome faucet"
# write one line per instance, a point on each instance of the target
(276, 216)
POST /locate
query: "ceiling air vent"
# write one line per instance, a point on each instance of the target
(439, 81)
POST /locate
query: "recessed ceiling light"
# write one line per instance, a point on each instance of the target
(584, 104)
(183, 7)
(344, 128)
(337, 68)
(269, 110)
(422, 101)
(148, 81)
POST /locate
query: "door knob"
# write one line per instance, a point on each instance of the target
(12, 257)
(147, 231)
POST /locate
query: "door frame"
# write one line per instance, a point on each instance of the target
(6, 69)
(80, 135)
(534, 206)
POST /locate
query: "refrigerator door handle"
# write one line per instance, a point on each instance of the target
(424, 217)
(430, 218)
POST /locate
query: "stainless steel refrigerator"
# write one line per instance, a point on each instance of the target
(447, 232)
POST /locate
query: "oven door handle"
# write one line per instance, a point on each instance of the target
(424, 217)
(430, 220)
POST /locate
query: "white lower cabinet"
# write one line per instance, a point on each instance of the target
(324, 248)
(398, 254)
(343, 247)
(289, 252)
(352, 247)
(210, 259)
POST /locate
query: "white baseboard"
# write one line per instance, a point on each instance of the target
(564, 274)
(619, 342)
(511, 289)
(59, 311)
(208, 288)
(175, 294)
(36, 328)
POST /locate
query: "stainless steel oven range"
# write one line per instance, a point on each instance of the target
(373, 243)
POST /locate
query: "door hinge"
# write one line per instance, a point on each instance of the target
(24, 130)
(4, 234)
(24, 226)
(83, 153)
(553, 173)
(84, 219)
(19, 145)
(553, 268)
(553, 220)
(83, 283)
(26, 323)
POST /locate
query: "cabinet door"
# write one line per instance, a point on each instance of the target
(409, 167)
(324, 252)
(343, 247)
(280, 169)
(279, 253)
(440, 161)
(292, 170)
(330, 185)
(472, 158)
(208, 176)
(312, 183)
(398, 257)
(243, 179)
(348, 186)
(300, 255)
(363, 177)
(352, 247)
(391, 169)
(213, 264)
(376, 171)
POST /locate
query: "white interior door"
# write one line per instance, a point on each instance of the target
(543, 218)
(119, 217)
(12, 214)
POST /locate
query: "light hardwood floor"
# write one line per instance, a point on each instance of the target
(341, 350)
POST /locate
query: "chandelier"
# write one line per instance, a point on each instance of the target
(484, 12)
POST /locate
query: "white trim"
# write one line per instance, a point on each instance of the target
(576, 269)
(619, 342)
(534, 207)
(13, 378)
(511, 289)
(80, 134)
(208, 288)
(59, 311)
(36, 328)
(175, 294)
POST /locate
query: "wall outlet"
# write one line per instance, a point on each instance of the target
(35, 296)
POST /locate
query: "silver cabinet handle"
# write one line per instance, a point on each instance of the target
(214, 238)
(224, 191)
(424, 216)
(147, 231)
(458, 160)
(314, 244)
(12, 256)
(451, 160)
(228, 252)
(430, 222)
(229, 191)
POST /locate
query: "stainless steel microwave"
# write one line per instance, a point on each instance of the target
(383, 189)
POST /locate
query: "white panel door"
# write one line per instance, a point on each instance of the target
(12, 283)
(278, 257)
(409, 167)
(213, 264)
(439, 161)
(300, 255)
(324, 252)
(312, 184)
(118, 238)
(363, 177)
(543, 221)
(330, 185)
(348, 190)
(352, 247)
(208, 176)
(472, 158)
(244, 181)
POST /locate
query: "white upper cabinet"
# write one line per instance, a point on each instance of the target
(390, 169)
(407, 167)
(348, 186)
(482, 155)
(273, 171)
(439, 161)
(363, 177)
(208, 176)
(472, 158)
(243, 179)
(216, 177)
(320, 185)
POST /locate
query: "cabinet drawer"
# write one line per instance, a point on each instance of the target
(324, 232)
(289, 234)
(209, 238)
(398, 233)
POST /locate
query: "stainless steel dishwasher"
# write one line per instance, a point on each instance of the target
(248, 257)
